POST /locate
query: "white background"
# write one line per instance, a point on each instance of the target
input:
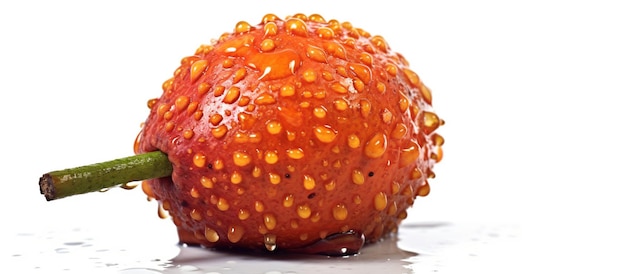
(532, 93)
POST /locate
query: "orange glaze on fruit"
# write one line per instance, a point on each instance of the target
(299, 134)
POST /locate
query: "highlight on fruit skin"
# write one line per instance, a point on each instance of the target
(299, 134)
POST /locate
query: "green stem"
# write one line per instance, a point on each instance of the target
(63, 183)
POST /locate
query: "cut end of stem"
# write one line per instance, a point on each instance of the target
(46, 187)
(79, 180)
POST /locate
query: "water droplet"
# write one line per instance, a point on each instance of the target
(235, 233)
(267, 45)
(399, 131)
(380, 201)
(236, 177)
(206, 182)
(423, 190)
(211, 235)
(288, 201)
(376, 146)
(243, 214)
(273, 127)
(270, 221)
(362, 72)
(287, 90)
(241, 158)
(308, 182)
(295, 153)
(340, 212)
(380, 43)
(304, 211)
(265, 99)
(325, 134)
(338, 88)
(274, 178)
(232, 94)
(199, 159)
(431, 121)
(271, 157)
(259, 206)
(276, 65)
(325, 33)
(358, 177)
(219, 131)
(409, 154)
(366, 59)
(195, 214)
(309, 75)
(296, 26)
(222, 204)
(197, 69)
(270, 242)
(270, 29)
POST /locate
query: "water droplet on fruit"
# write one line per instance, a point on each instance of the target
(219, 131)
(325, 33)
(340, 212)
(304, 211)
(197, 69)
(265, 99)
(376, 146)
(431, 121)
(308, 182)
(232, 94)
(222, 204)
(409, 154)
(267, 45)
(270, 242)
(242, 27)
(235, 233)
(243, 214)
(241, 158)
(206, 182)
(259, 206)
(296, 26)
(295, 153)
(211, 235)
(273, 127)
(309, 75)
(325, 134)
(412, 76)
(195, 214)
(270, 17)
(358, 177)
(276, 65)
(199, 159)
(424, 189)
(236, 178)
(380, 43)
(287, 90)
(274, 178)
(270, 29)
(270, 221)
(362, 72)
(380, 201)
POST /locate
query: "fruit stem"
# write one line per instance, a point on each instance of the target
(79, 180)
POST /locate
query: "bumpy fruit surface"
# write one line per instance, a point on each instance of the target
(286, 134)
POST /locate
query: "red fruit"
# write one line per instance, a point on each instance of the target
(299, 134)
